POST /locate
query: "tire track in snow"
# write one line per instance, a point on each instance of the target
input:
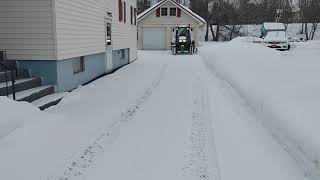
(200, 159)
(86, 158)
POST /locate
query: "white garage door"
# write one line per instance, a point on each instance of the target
(154, 38)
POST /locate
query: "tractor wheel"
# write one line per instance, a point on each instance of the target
(191, 50)
(174, 50)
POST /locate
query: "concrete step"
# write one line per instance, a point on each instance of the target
(22, 73)
(49, 100)
(20, 85)
(34, 94)
(11, 64)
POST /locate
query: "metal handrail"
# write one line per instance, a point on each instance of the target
(6, 68)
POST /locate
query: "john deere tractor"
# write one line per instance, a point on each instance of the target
(183, 41)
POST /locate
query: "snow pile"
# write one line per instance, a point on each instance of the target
(47, 144)
(14, 114)
(293, 30)
(282, 89)
(254, 30)
(28, 140)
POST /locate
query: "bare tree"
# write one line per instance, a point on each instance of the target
(309, 12)
(201, 7)
(142, 5)
(226, 17)
(285, 11)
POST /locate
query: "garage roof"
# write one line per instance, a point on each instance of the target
(184, 8)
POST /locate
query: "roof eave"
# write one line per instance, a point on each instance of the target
(179, 5)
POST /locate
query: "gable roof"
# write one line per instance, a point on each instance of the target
(184, 8)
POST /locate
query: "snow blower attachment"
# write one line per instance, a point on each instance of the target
(183, 41)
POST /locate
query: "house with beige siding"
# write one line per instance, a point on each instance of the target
(156, 25)
(68, 42)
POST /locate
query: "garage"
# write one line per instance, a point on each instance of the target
(154, 38)
(155, 25)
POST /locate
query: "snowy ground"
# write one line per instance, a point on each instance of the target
(281, 88)
(293, 30)
(161, 117)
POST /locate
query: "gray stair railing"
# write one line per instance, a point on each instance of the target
(13, 71)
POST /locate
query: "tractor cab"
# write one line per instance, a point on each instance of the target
(183, 40)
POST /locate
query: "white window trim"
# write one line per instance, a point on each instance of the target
(168, 9)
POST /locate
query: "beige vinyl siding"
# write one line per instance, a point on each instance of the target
(26, 29)
(80, 27)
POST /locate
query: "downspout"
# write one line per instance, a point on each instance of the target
(54, 29)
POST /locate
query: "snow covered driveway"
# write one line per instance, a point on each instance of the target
(168, 137)
(162, 117)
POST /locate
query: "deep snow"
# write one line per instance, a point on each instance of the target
(161, 117)
(282, 89)
(293, 31)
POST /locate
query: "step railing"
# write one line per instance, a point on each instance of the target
(13, 71)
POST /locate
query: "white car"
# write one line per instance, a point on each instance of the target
(277, 40)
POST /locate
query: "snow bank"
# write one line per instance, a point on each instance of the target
(281, 87)
(14, 114)
(245, 149)
(46, 143)
(293, 30)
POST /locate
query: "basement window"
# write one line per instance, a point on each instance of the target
(78, 65)
(173, 11)
(164, 11)
(122, 54)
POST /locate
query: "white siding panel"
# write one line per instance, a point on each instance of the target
(26, 29)
(81, 31)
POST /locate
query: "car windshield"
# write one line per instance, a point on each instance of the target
(276, 34)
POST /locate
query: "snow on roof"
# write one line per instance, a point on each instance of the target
(274, 26)
(149, 9)
(196, 16)
(191, 12)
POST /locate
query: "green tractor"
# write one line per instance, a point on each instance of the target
(183, 41)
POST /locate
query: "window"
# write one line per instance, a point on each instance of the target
(78, 65)
(120, 10)
(122, 54)
(173, 11)
(131, 14)
(164, 11)
(135, 16)
(124, 12)
(158, 12)
(108, 34)
(2, 57)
